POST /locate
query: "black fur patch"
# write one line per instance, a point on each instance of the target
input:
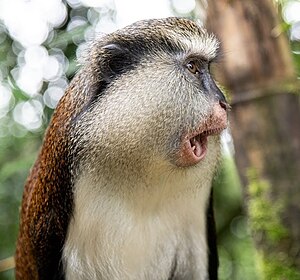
(213, 260)
(125, 54)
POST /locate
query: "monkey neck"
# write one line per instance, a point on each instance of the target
(149, 189)
(152, 210)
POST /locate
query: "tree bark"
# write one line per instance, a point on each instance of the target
(258, 71)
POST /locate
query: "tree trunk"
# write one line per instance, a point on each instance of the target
(258, 71)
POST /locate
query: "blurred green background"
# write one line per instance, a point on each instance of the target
(40, 44)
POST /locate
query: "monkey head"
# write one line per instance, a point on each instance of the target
(153, 100)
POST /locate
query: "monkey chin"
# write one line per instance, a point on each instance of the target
(194, 145)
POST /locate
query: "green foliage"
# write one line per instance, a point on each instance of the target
(16, 157)
(12, 178)
(279, 269)
(264, 212)
(265, 222)
(236, 250)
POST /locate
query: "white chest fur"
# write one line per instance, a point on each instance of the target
(157, 231)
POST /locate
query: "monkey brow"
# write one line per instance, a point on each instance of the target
(218, 57)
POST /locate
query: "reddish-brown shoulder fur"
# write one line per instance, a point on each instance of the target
(47, 198)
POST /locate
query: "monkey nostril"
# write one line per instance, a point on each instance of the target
(224, 105)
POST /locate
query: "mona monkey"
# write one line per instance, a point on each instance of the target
(121, 189)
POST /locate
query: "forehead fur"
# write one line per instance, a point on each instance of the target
(178, 34)
(170, 35)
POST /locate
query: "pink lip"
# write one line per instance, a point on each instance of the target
(194, 145)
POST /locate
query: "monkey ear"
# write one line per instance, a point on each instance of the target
(113, 47)
(116, 61)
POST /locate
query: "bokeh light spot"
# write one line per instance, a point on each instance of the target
(52, 95)
(291, 11)
(184, 7)
(29, 114)
(6, 100)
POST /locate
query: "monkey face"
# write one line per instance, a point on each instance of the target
(157, 102)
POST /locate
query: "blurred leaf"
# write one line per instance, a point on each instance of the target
(62, 38)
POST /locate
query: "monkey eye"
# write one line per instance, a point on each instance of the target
(191, 66)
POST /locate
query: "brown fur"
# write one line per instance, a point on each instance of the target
(47, 206)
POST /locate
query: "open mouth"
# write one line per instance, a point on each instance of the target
(198, 145)
(194, 146)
